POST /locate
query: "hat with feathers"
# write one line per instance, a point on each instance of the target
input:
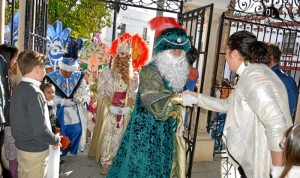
(169, 34)
(69, 62)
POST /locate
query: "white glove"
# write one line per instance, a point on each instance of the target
(189, 100)
(67, 102)
(119, 111)
(114, 110)
(125, 110)
(276, 171)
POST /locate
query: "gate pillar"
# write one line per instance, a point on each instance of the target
(205, 145)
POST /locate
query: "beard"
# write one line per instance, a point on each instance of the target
(122, 65)
(173, 68)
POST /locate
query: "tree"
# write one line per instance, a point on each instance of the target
(82, 16)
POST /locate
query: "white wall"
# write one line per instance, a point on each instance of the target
(136, 19)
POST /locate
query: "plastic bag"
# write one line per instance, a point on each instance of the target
(53, 163)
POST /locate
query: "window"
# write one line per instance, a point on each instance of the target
(289, 42)
(145, 33)
(123, 28)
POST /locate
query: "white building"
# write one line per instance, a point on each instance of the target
(133, 20)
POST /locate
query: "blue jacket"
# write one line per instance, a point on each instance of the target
(291, 88)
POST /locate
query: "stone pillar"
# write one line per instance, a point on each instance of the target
(21, 32)
(21, 25)
(2, 20)
(205, 145)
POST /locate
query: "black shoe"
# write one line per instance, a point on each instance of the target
(62, 162)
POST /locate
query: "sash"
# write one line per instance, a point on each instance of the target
(119, 101)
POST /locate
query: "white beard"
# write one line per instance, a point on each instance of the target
(174, 69)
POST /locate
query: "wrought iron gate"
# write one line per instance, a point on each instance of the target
(197, 23)
(269, 24)
(281, 32)
(36, 16)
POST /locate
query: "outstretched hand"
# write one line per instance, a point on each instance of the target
(189, 99)
(191, 93)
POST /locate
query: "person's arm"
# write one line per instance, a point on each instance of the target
(132, 90)
(212, 103)
(158, 100)
(277, 158)
(38, 122)
(82, 94)
(105, 85)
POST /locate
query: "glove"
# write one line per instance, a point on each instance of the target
(67, 102)
(113, 109)
(189, 100)
(125, 110)
(119, 111)
(276, 171)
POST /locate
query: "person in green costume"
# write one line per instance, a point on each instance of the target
(152, 145)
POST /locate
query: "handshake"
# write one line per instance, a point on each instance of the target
(189, 98)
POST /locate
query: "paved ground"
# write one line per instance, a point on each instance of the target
(82, 166)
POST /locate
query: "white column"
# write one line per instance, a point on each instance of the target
(21, 32)
(205, 145)
(21, 25)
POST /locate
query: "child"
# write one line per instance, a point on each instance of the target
(29, 117)
(291, 154)
(49, 92)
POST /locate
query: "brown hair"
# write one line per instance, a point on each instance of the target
(250, 49)
(291, 149)
(123, 65)
(8, 52)
(45, 86)
(27, 60)
(274, 52)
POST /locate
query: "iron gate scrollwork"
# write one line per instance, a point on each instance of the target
(283, 33)
(271, 22)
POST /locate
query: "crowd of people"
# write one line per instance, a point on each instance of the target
(140, 112)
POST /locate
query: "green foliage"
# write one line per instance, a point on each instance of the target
(82, 16)
(8, 14)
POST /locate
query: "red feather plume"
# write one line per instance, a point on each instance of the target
(159, 24)
(139, 49)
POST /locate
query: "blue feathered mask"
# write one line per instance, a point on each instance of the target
(56, 40)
